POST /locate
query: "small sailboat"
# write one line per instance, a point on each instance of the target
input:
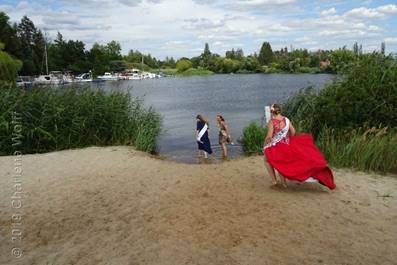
(52, 78)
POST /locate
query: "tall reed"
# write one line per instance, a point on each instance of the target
(252, 139)
(54, 119)
(374, 149)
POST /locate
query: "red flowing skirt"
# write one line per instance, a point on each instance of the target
(300, 159)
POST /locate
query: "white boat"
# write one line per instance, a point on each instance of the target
(24, 81)
(108, 76)
(84, 77)
(53, 78)
(67, 77)
(135, 77)
(133, 74)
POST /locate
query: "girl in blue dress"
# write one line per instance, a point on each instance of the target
(203, 141)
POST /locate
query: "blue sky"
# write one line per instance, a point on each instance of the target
(181, 27)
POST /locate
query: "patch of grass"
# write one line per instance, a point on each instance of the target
(167, 71)
(252, 139)
(54, 119)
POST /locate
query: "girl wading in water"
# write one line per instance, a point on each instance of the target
(202, 138)
(224, 135)
(295, 157)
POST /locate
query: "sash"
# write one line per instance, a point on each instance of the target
(201, 133)
(280, 135)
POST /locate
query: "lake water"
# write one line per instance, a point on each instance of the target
(239, 98)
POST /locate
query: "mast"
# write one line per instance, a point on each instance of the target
(46, 57)
(142, 63)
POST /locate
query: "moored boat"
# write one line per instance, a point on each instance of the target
(53, 78)
(24, 81)
(84, 77)
(109, 77)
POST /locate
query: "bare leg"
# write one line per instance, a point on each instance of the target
(224, 149)
(205, 154)
(283, 180)
(271, 172)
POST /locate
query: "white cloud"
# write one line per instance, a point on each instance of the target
(328, 12)
(181, 27)
(379, 12)
(392, 40)
(264, 2)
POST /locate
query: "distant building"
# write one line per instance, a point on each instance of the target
(325, 64)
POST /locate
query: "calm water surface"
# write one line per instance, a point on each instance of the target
(239, 98)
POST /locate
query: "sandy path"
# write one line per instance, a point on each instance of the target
(119, 206)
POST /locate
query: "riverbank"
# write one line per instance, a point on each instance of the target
(116, 205)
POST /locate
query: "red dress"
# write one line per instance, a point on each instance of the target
(297, 158)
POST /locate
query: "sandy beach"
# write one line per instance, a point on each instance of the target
(118, 206)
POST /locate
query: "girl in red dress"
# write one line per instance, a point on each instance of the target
(295, 157)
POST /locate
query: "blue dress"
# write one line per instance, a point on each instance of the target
(205, 143)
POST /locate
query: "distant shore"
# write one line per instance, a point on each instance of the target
(115, 205)
(204, 72)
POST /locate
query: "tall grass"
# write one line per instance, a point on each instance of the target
(252, 139)
(55, 119)
(374, 149)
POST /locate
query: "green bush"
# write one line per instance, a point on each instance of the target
(183, 65)
(195, 72)
(63, 119)
(252, 139)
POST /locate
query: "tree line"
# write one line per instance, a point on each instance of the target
(26, 44)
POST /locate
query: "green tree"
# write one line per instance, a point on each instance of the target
(113, 50)
(342, 59)
(168, 63)
(32, 46)
(235, 54)
(9, 67)
(67, 55)
(266, 54)
(183, 65)
(383, 48)
(98, 59)
(251, 63)
(25, 32)
(207, 51)
(134, 56)
(8, 36)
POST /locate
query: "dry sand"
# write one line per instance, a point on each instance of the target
(118, 206)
